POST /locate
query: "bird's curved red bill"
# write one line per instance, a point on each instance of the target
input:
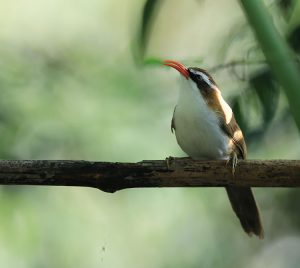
(178, 66)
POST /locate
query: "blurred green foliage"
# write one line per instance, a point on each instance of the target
(71, 89)
(280, 58)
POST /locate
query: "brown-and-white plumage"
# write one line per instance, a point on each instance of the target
(205, 128)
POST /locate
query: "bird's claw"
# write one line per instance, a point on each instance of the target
(234, 161)
(168, 160)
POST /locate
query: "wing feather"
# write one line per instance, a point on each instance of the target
(233, 131)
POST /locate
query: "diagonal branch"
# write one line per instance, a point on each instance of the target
(180, 172)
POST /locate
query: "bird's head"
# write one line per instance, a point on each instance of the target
(200, 81)
(199, 76)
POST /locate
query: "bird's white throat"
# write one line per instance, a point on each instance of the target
(197, 127)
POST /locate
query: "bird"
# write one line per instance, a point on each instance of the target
(206, 129)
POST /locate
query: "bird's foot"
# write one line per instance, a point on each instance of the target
(233, 160)
(169, 161)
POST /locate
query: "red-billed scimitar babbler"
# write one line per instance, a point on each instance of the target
(205, 128)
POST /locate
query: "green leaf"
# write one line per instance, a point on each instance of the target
(294, 39)
(267, 91)
(278, 54)
(242, 106)
(148, 15)
(256, 107)
(153, 61)
(285, 5)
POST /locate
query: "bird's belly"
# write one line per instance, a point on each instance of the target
(199, 135)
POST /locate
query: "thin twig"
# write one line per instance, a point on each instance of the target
(235, 63)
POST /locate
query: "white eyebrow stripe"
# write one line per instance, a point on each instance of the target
(204, 77)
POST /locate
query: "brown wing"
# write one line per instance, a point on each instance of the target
(233, 131)
(215, 102)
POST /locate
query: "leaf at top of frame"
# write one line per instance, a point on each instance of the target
(149, 12)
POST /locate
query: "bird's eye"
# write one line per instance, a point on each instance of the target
(199, 77)
(196, 75)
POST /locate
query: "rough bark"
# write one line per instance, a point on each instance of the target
(178, 172)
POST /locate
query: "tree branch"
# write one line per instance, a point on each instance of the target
(179, 172)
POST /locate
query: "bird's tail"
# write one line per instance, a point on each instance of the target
(244, 206)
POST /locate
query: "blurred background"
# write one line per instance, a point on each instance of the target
(80, 80)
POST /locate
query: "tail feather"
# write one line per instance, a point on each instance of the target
(244, 206)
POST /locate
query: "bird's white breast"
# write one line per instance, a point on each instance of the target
(197, 126)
